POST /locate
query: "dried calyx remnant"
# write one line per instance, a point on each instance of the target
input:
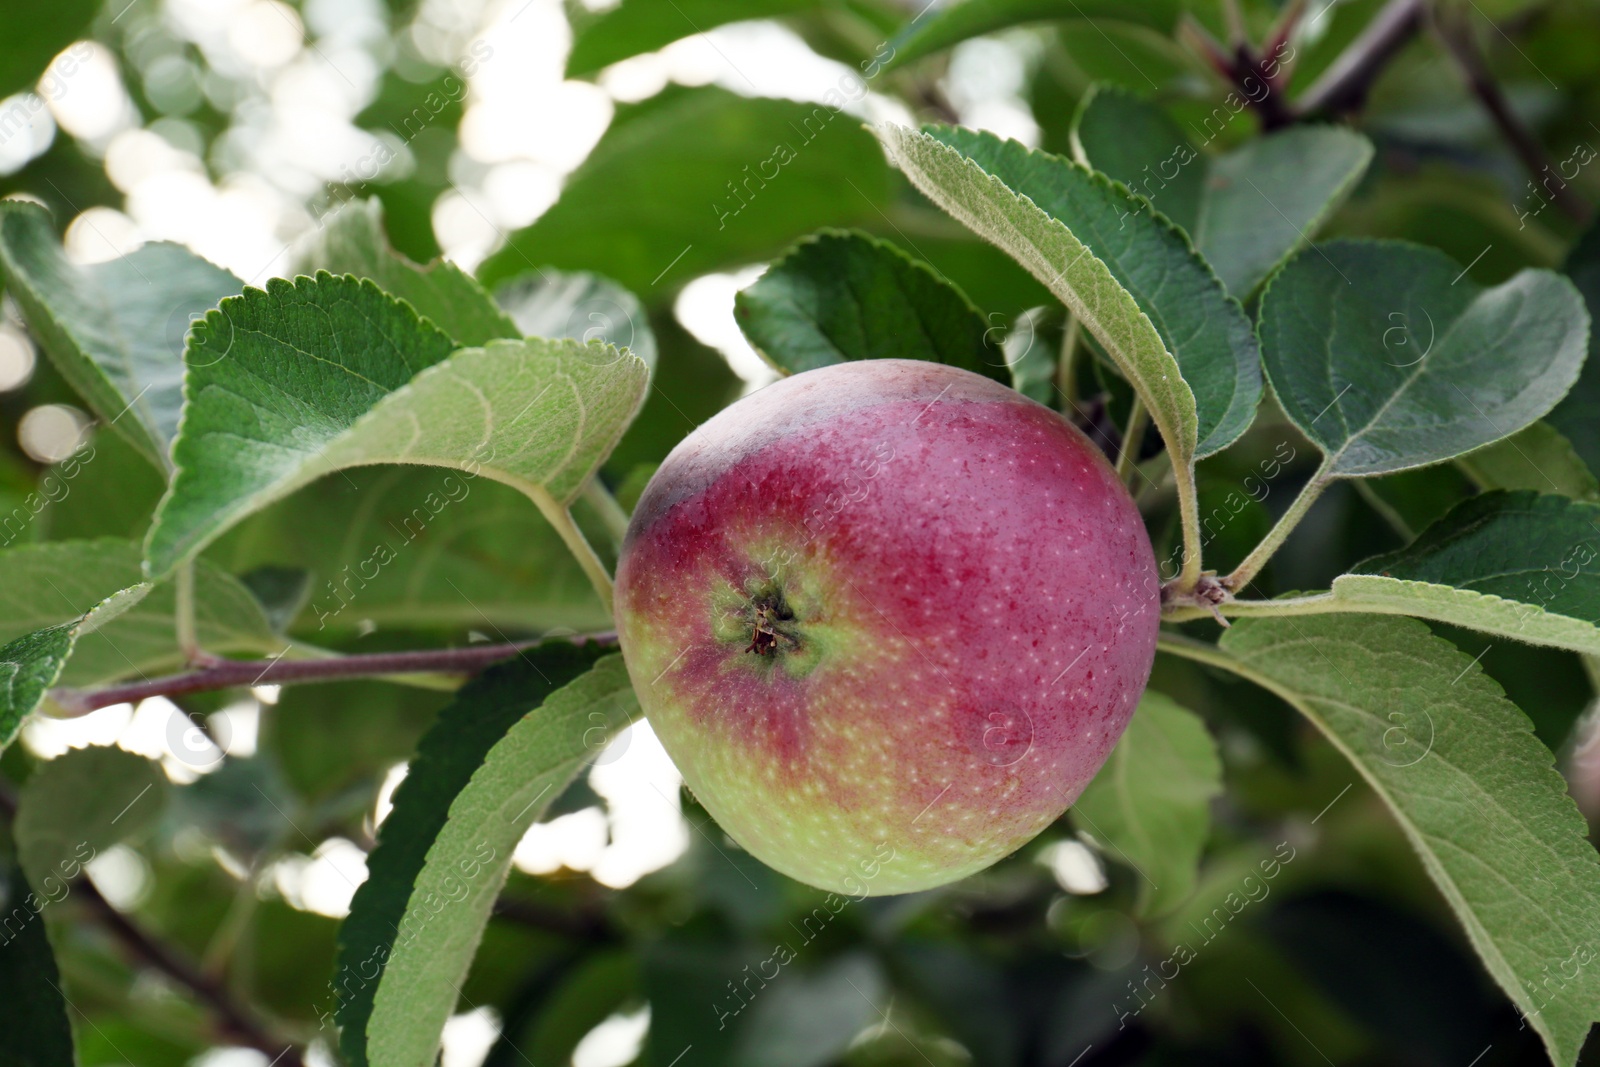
(768, 614)
(1208, 593)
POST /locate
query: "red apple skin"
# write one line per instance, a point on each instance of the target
(973, 602)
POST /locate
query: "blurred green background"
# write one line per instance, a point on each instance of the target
(510, 135)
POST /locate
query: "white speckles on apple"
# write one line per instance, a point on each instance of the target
(945, 601)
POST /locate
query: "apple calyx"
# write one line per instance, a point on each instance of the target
(767, 629)
(760, 626)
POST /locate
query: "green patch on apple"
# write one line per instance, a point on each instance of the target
(927, 664)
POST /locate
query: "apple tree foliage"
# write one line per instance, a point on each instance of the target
(1344, 370)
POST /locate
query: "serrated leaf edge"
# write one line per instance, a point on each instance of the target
(1266, 365)
(1236, 410)
(834, 233)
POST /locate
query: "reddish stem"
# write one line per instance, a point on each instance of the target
(226, 674)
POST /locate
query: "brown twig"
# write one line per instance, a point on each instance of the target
(1245, 69)
(226, 674)
(1456, 34)
(1273, 106)
(236, 1020)
(1344, 86)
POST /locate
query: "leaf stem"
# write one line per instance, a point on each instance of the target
(1312, 604)
(1210, 655)
(1189, 517)
(1386, 510)
(605, 505)
(1198, 651)
(227, 674)
(1288, 22)
(1132, 437)
(183, 616)
(1242, 66)
(1258, 557)
(1066, 363)
(560, 516)
(584, 553)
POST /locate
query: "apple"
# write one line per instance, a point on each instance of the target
(889, 618)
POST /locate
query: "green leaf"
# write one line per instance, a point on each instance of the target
(1472, 788)
(697, 180)
(29, 666)
(992, 280)
(1135, 142)
(80, 804)
(839, 296)
(805, 1017)
(416, 548)
(34, 34)
(1463, 213)
(1578, 414)
(282, 592)
(106, 488)
(1537, 457)
(1053, 254)
(1033, 360)
(1130, 277)
(811, 1018)
(339, 736)
(1151, 802)
(693, 383)
(1204, 330)
(598, 985)
(1247, 210)
(636, 26)
(114, 330)
(33, 1010)
(32, 662)
(1106, 50)
(352, 241)
(579, 305)
(92, 593)
(1517, 564)
(950, 24)
(496, 758)
(1388, 356)
(316, 375)
(1265, 199)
